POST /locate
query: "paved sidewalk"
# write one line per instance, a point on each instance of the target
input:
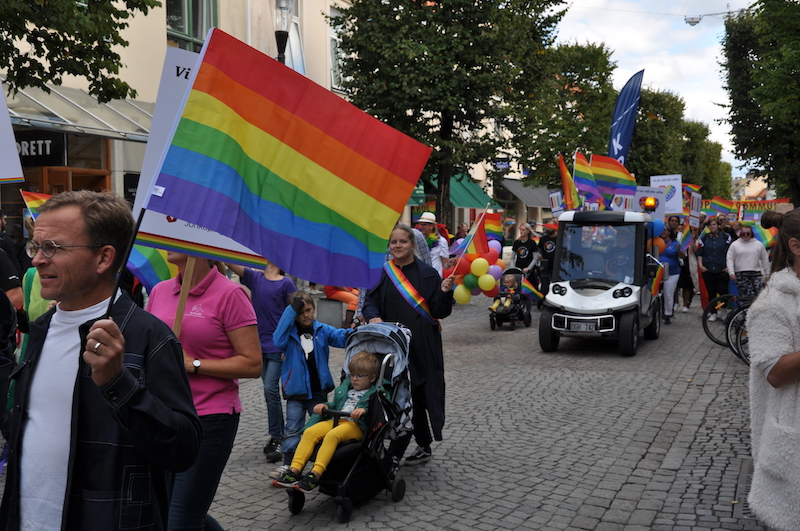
(578, 439)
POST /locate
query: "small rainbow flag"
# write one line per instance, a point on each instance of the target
(687, 187)
(584, 181)
(686, 238)
(612, 178)
(572, 200)
(723, 206)
(493, 226)
(264, 156)
(529, 291)
(766, 236)
(33, 201)
(475, 241)
(655, 284)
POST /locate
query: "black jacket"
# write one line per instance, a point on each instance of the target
(128, 437)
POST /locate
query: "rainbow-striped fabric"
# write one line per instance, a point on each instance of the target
(475, 241)
(572, 200)
(529, 291)
(493, 226)
(263, 155)
(33, 201)
(655, 284)
(584, 181)
(612, 178)
(724, 206)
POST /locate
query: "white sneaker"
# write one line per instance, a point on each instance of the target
(722, 314)
(685, 309)
(279, 472)
(314, 292)
(712, 318)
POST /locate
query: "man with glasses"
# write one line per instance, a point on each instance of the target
(103, 414)
(747, 262)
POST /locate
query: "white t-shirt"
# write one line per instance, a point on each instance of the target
(48, 429)
(439, 254)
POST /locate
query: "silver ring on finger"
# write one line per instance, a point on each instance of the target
(97, 346)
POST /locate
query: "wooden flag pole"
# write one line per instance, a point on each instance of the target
(188, 273)
(483, 214)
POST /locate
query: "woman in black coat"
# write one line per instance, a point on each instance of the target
(389, 302)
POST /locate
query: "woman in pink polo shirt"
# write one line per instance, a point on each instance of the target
(220, 344)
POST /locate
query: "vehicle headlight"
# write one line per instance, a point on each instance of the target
(624, 292)
(559, 290)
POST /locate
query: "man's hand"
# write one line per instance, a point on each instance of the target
(104, 352)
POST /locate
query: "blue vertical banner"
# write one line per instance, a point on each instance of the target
(625, 118)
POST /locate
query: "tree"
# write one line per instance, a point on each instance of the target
(442, 71)
(42, 41)
(760, 60)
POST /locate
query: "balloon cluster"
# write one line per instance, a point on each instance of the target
(477, 273)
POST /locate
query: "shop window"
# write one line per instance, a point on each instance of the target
(188, 22)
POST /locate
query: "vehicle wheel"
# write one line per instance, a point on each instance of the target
(512, 323)
(526, 319)
(398, 490)
(628, 333)
(716, 330)
(548, 338)
(345, 510)
(653, 330)
(492, 324)
(296, 500)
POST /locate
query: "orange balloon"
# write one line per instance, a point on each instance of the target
(471, 256)
(658, 242)
(501, 264)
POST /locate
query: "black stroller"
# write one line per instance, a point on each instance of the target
(359, 470)
(516, 311)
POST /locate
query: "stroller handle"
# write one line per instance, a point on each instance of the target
(335, 413)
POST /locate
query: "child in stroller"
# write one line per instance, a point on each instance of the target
(507, 296)
(351, 396)
(509, 304)
(359, 470)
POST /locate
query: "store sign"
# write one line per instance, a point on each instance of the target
(41, 148)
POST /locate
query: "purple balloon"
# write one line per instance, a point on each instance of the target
(496, 271)
(494, 244)
(476, 291)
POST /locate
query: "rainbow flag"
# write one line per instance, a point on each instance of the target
(612, 178)
(529, 291)
(572, 200)
(475, 241)
(686, 238)
(493, 226)
(723, 206)
(687, 187)
(584, 181)
(766, 236)
(655, 284)
(33, 201)
(263, 155)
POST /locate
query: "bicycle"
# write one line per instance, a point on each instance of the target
(716, 330)
(736, 332)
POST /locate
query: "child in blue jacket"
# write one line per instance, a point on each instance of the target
(351, 396)
(305, 377)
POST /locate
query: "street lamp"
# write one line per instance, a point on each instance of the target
(283, 18)
(695, 20)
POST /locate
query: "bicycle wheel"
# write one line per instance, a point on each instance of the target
(717, 327)
(736, 331)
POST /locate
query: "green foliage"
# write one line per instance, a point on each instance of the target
(43, 40)
(761, 60)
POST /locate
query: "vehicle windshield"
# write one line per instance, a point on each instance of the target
(598, 251)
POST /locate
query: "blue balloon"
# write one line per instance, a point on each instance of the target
(658, 227)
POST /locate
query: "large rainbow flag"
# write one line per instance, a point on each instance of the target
(263, 155)
(584, 181)
(475, 241)
(493, 226)
(572, 200)
(612, 178)
(723, 206)
(148, 265)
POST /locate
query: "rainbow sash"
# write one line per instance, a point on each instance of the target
(407, 291)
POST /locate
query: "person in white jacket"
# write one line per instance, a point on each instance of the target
(773, 324)
(747, 262)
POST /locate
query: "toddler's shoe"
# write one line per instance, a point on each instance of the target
(288, 479)
(307, 484)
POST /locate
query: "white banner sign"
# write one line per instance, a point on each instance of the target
(657, 192)
(674, 192)
(11, 168)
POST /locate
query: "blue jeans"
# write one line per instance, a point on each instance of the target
(295, 420)
(271, 377)
(194, 489)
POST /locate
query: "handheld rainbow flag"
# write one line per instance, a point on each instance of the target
(529, 291)
(686, 238)
(612, 178)
(572, 200)
(655, 284)
(147, 264)
(723, 206)
(263, 155)
(475, 241)
(33, 201)
(493, 226)
(766, 236)
(687, 187)
(584, 181)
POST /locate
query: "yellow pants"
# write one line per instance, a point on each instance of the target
(331, 438)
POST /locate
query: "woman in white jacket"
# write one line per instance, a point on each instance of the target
(773, 324)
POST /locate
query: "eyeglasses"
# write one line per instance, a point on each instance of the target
(359, 376)
(746, 234)
(48, 248)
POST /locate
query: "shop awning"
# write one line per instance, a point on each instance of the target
(466, 193)
(417, 196)
(71, 110)
(531, 196)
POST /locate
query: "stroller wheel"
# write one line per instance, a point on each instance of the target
(526, 319)
(512, 323)
(296, 500)
(398, 490)
(345, 510)
(492, 324)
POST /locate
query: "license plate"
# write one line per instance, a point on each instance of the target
(582, 327)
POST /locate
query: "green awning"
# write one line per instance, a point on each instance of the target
(417, 196)
(466, 193)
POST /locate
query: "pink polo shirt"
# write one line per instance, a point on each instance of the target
(214, 307)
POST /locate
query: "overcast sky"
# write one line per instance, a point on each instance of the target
(653, 35)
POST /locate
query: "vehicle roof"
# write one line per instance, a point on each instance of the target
(604, 217)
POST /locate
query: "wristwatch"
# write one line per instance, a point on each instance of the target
(196, 365)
